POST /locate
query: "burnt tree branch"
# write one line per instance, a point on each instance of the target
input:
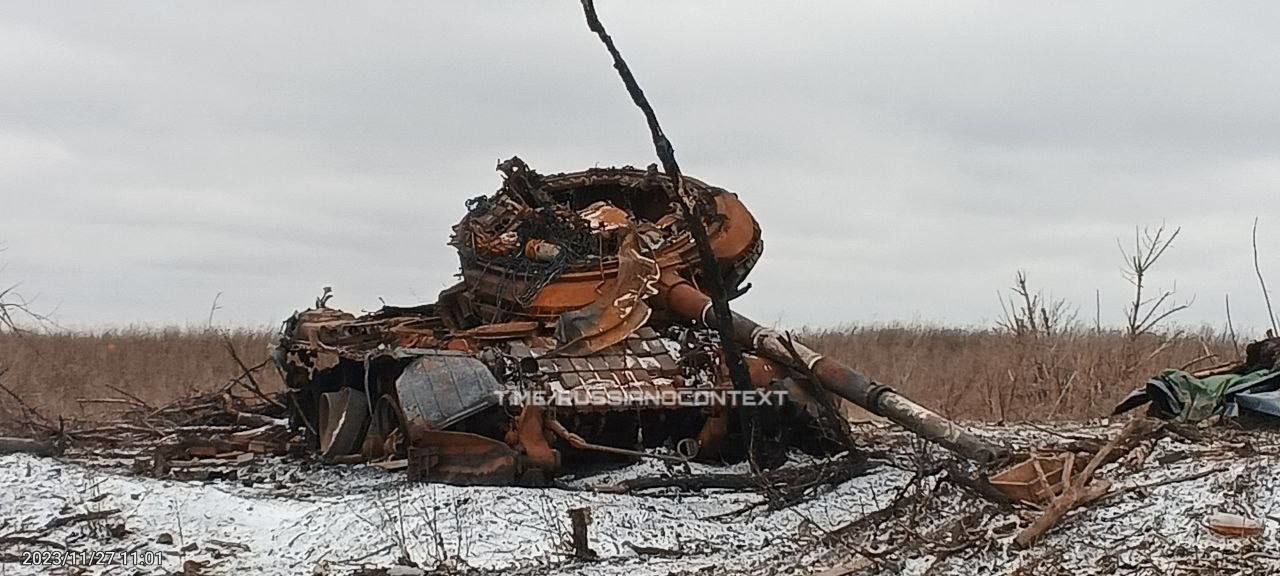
(693, 209)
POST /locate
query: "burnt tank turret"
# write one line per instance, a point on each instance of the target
(577, 334)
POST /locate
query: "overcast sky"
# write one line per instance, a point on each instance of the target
(904, 160)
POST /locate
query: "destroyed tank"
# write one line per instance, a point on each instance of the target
(577, 335)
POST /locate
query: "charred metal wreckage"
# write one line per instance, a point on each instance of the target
(598, 301)
(578, 332)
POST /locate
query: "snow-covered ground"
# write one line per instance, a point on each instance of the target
(1156, 530)
(340, 517)
(300, 518)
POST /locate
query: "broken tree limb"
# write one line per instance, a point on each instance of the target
(260, 420)
(785, 486)
(130, 397)
(690, 483)
(653, 551)
(81, 517)
(33, 418)
(693, 209)
(27, 446)
(1165, 482)
(252, 384)
(1073, 496)
(1078, 491)
(977, 484)
(829, 412)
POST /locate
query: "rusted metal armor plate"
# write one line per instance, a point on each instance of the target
(439, 390)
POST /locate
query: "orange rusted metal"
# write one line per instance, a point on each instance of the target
(1036, 479)
(503, 331)
(461, 458)
(618, 311)
(764, 372)
(532, 440)
(681, 298)
(548, 348)
(713, 434)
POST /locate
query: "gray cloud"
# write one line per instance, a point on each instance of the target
(903, 159)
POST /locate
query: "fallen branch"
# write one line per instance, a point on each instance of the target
(260, 420)
(978, 485)
(785, 486)
(653, 551)
(876, 518)
(252, 384)
(1165, 482)
(693, 209)
(1078, 491)
(37, 540)
(81, 517)
(34, 419)
(132, 398)
(28, 446)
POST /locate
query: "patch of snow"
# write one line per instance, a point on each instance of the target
(345, 516)
(300, 517)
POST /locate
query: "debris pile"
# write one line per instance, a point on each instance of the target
(1160, 502)
(201, 436)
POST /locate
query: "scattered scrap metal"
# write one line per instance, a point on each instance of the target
(201, 436)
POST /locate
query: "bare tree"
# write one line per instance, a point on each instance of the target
(1040, 327)
(1231, 327)
(1146, 312)
(1031, 314)
(16, 312)
(1271, 315)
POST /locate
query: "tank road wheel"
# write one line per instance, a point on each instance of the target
(386, 430)
(344, 418)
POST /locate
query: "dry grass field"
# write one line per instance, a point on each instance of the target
(59, 374)
(993, 374)
(1038, 362)
(997, 375)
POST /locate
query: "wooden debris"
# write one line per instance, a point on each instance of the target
(653, 551)
(784, 485)
(850, 568)
(263, 422)
(27, 446)
(255, 433)
(229, 544)
(81, 517)
(1079, 491)
(580, 518)
(1165, 482)
(202, 451)
(197, 463)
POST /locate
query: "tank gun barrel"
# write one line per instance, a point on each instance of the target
(686, 301)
